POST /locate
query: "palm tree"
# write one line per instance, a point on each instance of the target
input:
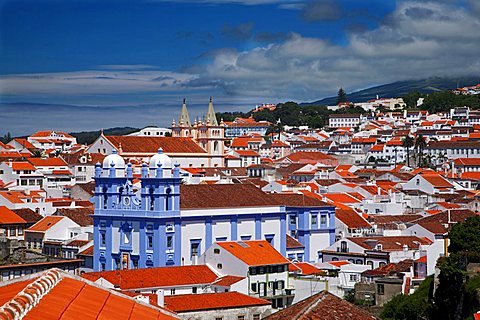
(408, 142)
(420, 144)
(37, 153)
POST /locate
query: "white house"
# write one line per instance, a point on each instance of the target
(265, 268)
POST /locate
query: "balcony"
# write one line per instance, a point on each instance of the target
(275, 293)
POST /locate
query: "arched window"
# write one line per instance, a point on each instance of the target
(215, 146)
(359, 261)
(104, 190)
(370, 263)
(152, 199)
(168, 198)
(343, 246)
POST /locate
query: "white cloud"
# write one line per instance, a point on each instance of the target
(93, 82)
(419, 39)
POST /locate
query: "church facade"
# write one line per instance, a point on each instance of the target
(166, 223)
(207, 132)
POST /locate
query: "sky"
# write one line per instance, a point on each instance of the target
(76, 65)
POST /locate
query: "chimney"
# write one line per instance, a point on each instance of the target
(449, 217)
(160, 298)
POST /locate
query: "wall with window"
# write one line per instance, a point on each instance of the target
(245, 313)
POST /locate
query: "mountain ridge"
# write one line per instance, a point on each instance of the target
(400, 88)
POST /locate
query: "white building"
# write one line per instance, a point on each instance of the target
(153, 132)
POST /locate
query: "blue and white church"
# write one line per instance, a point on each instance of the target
(166, 223)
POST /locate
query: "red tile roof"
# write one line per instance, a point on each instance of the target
(211, 301)
(293, 243)
(307, 268)
(321, 306)
(155, 277)
(25, 143)
(22, 166)
(393, 243)
(298, 200)
(138, 144)
(307, 157)
(87, 252)
(240, 143)
(437, 181)
(436, 223)
(43, 134)
(81, 216)
(338, 263)
(45, 224)
(254, 252)
(467, 161)
(341, 197)
(351, 219)
(227, 281)
(68, 297)
(247, 153)
(48, 162)
(28, 215)
(223, 196)
(7, 216)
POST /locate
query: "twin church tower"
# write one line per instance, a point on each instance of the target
(207, 132)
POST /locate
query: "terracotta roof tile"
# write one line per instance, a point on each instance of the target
(227, 281)
(254, 252)
(45, 224)
(321, 306)
(437, 223)
(70, 296)
(48, 162)
(223, 196)
(304, 155)
(293, 243)
(155, 277)
(307, 268)
(7, 216)
(393, 243)
(22, 165)
(211, 301)
(81, 216)
(351, 219)
(138, 144)
(28, 215)
(298, 200)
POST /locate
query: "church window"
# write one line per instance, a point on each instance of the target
(152, 199)
(168, 199)
(149, 242)
(194, 248)
(169, 242)
(104, 198)
(102, 239)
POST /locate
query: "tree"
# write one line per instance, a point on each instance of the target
(420, 144)
(408, 142)
(37, 153)
(409, 307)
(465, 236)
(411, 99)
(341, 96)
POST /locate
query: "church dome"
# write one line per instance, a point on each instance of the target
(161, 158)
(114, 158)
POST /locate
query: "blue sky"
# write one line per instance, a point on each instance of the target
(117, 54)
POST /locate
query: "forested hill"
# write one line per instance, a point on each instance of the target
(87, 137)
(400, 88)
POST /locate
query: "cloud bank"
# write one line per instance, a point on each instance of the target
(418, 40)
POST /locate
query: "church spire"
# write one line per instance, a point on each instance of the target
(211, 114)
(184, 117)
